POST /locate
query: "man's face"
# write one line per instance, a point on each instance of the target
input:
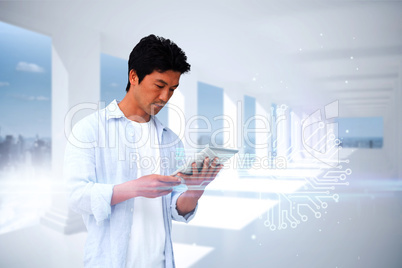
(153, 92)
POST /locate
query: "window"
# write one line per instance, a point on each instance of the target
(249, 125)
(114, 77)
(274, 141)
(210, 107)
(25, 125)
(361, 132)
(25, 99)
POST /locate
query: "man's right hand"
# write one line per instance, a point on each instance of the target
(152, 186)
(149, 186)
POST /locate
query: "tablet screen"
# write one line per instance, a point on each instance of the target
(223, 155)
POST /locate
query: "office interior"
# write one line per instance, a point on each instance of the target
(287, 83)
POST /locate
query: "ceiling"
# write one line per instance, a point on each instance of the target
(302, 53)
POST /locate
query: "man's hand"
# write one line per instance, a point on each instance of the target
(203, 177)
(152, 186)
(149, 186)
(188, 200)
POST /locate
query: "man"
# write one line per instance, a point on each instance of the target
(118, 161)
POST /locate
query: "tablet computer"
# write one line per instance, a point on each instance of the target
(223, 155)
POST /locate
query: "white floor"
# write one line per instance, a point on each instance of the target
(363, 229)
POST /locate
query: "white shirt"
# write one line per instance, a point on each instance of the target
(98, 157)
(147, 239)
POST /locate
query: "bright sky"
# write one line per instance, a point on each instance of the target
(113, 78)
(360, 127)
(210, 105)
(25, 82)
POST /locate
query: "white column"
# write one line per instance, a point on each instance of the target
(296, 137)
(233, 109)
(231, 123)
(75, 81)
(282, 130)
(391, 139)
(183, 107)
(263, 127)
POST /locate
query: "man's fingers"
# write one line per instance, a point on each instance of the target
(215, 162)
(170, 180)
(205, 171)
(205, 166)
(195, 169)
(213, 167)
(208, 172)
(182, 177)
(216, 171)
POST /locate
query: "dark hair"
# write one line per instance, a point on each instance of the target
(154, 53)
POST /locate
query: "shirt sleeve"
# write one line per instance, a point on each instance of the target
(175, 213)
(179, 190)
(86, 196)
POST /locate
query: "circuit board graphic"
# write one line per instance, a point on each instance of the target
(320, 151)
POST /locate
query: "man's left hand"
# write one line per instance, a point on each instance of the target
(204, 176)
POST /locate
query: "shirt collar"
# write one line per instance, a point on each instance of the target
(159, 127)
(113, 111)
(158, 123)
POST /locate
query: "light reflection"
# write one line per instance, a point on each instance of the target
(24, 198)
(229, 212)
(187, 255)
